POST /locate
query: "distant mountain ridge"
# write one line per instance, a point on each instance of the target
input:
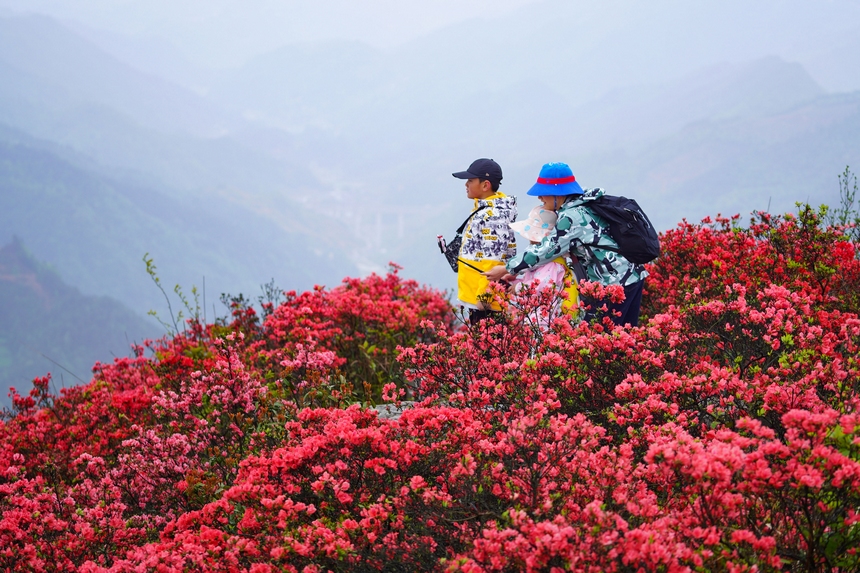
(45, 49)
(736, 165)
(95, 229)
(124, 118)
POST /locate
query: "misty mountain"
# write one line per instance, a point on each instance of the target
(434, 117)
(735, 165)
(365, 138)
(150, 54)
(578, 50)
(304, 85)
(685, 146)
(617, 43)
(308, 161)
(62, 89)
(49, 326)
(44, 49)
(59, 87)
(646, 113)
(94, 229)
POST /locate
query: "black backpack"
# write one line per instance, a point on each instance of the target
(629, 226)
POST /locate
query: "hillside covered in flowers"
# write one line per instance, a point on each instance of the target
(723, 434)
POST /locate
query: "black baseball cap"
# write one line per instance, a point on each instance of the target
(482, 169)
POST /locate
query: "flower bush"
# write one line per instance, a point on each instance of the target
(723, 434)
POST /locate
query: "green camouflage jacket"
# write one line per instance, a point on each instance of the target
(576, 227)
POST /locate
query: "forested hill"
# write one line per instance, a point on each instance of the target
(48, 326)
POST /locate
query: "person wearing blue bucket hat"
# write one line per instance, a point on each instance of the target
(584, 237)
(555, 180)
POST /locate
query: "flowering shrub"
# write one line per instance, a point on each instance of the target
(723, 434)
(793, 251)
(88, 475)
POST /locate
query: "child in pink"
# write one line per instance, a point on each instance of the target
(539, 224)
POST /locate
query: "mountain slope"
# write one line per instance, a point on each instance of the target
(57, 86)
(49, 326)
(95, 229)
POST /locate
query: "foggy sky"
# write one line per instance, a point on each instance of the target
(225, 32)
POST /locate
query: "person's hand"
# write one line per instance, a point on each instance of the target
(498, 273)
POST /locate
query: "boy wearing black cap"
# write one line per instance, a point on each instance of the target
(488, 240)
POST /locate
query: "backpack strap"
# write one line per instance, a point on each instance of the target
(576, 264)
(472, 214)
(456, 240)
(596, 243)
(460, 232)
(599, 246)
(578, 269)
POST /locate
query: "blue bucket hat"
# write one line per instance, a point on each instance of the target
(555, 179)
